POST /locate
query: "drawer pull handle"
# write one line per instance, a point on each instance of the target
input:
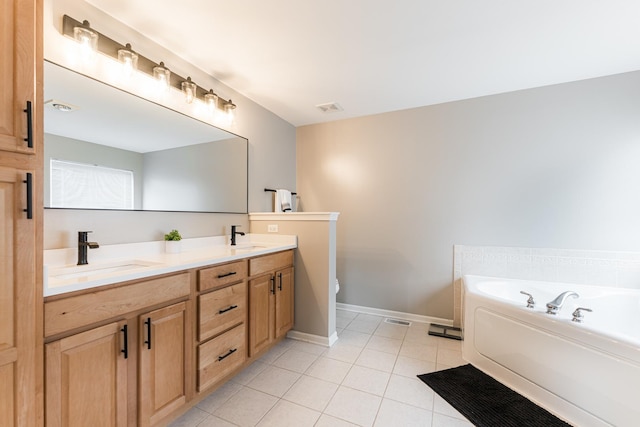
(273, 285)
(227, 309)
(125, 350)
(229, 353)
(29, 182)
(29, 138)
(148, 340)
(280, 281)
(231, 273)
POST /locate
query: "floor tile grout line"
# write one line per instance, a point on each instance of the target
(324, 354)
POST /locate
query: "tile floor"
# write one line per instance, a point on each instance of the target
(368, 378)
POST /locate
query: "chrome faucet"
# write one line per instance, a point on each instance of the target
(577, 314)
(530, 301)
(83, 244)
(234, 233)
(556, 304)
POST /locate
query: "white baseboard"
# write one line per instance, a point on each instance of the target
(394, 314)
(313, 339)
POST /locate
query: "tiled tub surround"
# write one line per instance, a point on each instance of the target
(149, 259)
(368, 378)
(587, 373)
(602, 268)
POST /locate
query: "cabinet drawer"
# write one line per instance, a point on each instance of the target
(220, 356)
(221, 309)
(270, 262)
(220, 275)
(82, 310)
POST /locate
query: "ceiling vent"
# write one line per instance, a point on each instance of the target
(330, 107)
(60, 106)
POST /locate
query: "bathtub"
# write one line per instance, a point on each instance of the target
(586, 373)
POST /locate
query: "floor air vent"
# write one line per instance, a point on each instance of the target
(445, 331)
(397, 322)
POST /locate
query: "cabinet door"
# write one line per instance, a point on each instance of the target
(162, 363)
(261, 303)
(284, 301)
(17, 72)
(17, 302)
(86, 378)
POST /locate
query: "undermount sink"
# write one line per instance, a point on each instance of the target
(77, 271)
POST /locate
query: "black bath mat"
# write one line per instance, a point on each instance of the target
(486, 402)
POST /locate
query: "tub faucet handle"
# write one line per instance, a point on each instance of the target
(578, 316)
(530, 302)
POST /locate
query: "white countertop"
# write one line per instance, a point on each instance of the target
(110, 264)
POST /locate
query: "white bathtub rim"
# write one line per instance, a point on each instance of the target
(588, 334)
(555, 404)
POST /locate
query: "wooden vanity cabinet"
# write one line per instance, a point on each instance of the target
(270, 299)
(134, 354)
(104, 375)
(21, 359)
(20, 63)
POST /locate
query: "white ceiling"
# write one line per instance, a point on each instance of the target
(374, 56)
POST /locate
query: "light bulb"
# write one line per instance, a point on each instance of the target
(162, 76)
(88, 40)
(189, 89)
(229, 108)
(129, 60)
(211, 100)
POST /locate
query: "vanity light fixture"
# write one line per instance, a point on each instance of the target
(162, 76)
(88, 38)
(97, 42)
(189, 89)
(129, 60)
(211, 100)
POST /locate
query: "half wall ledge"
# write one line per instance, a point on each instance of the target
(315, 269)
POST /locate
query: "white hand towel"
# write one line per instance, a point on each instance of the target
(283, 201)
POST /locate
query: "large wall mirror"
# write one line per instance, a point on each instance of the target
(108, 149)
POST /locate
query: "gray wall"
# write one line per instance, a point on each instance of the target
(550, 167)
(272, 146)
(203, 177)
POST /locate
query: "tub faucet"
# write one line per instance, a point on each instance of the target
(83, 245)
(234, 233)
(556, 304)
